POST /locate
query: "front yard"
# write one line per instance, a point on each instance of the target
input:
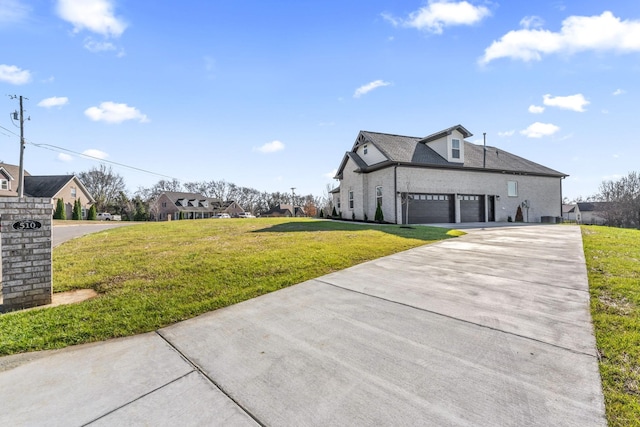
(155, 274)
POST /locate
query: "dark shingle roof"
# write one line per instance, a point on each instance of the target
(411, 150)
(592, 206)
(45, 186)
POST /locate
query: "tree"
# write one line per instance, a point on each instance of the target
(77, 210)
(623, 200)
(103, 184)
(60, 210)
(93, 213)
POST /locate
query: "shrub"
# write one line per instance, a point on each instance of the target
(60, 211)
(334, 213)
(321, 214)
(93, 213)
(353, 216)
(379, 216)
(77, 210)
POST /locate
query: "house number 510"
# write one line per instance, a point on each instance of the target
(26, 225)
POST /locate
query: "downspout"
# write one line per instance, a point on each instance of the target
(395, 191)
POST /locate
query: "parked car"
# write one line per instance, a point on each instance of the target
(245, 215)
(106, 216)
(222, 215)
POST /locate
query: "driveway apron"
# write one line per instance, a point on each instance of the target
(489, 329)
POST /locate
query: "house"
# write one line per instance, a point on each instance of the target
(571, 212)
(172, 205)
(284, 210)
(593, 213)
(442, 178)
(69, 188)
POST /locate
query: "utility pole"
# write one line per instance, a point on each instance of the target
(21, 170)
(293, 201)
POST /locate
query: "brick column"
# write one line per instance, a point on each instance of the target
(25, 249)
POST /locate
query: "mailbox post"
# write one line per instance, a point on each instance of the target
(25, 249)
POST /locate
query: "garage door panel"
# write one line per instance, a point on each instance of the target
(431, 208)
(471, 208)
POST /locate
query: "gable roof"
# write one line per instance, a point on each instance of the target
(413, 151)
(592, 206)
(50, 185)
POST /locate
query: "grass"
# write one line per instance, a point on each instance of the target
(156, 274)
(613, 266)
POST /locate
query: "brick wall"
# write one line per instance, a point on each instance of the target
(25, 251)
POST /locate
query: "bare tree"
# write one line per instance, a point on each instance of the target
(104, 185)
(623, 200)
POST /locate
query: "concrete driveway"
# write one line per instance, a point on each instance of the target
(490, 329)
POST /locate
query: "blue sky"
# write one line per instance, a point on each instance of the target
(270, 94)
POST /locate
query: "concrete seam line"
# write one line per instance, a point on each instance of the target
(138, 398)
(457, 319)
(584, 291)
(211, 380)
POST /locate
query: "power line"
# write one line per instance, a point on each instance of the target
(55, 148)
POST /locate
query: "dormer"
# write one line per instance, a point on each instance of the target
(449, 143)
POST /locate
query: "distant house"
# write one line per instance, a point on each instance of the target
(571, 212)
(284, 210)
(69, 188)
(442, 178)
(593, 213)
(173, 205)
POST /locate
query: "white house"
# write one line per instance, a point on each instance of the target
(442, 178)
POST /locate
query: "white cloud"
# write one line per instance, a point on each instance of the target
(331, 174)
(271, 147)
(536, 109)
(531, 22)
(619, 92)
(506, 133)
(98, 46)
(13, 11)
(578, 33)
(96, 154)
(575, 102)
(93, 15)
(538, 130)
(63, 157)
(441, 13)
(111, 112)
(54, 101)
(362, 90)
(14, 75)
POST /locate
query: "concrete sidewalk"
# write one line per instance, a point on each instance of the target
(490, 329)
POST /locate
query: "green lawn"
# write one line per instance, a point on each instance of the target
(613, 265)
(151, 275)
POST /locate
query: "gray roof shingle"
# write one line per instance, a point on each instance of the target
(411, 150)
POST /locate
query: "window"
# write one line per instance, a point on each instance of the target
(350, 199)
(338, 203)
(4, 184)
(73, 192)
(512, 188)
(378, 196)
(365, 149)
(455, 148)
(164, 204)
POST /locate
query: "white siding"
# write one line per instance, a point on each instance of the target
(373, 155)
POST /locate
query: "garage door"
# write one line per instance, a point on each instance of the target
(430, 208)
(471, 208)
